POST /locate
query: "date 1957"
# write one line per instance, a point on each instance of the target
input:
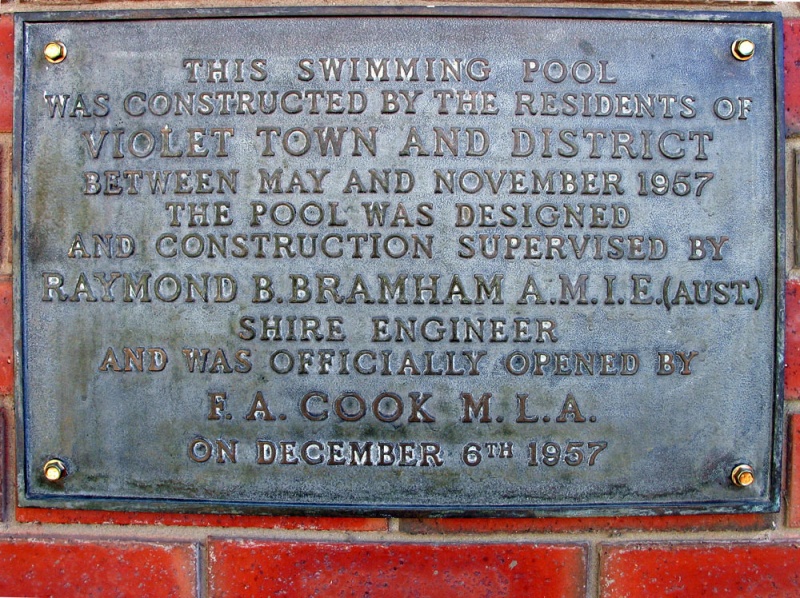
(572, 454)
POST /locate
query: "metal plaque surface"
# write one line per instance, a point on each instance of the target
(486, 262)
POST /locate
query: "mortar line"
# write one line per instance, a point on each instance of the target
(5, 498)
(184, 534)
(10, 465)
(593, 570)
(394, 525)
(203, 565)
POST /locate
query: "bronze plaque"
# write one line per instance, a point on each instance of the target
(412, 261)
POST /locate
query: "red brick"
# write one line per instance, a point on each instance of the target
(791, 69)
(361, 524)
(4, 464)
(750, 570)
(6, 338)
(34, 567)
(792, 328)
(693, 523)
(6, 73)
(250, 568)
(793, 474)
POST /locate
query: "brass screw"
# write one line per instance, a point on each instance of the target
(743, 475)
(55, 469)
(743, 49)
(55, 52)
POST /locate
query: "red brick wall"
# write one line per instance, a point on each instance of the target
(93, 553)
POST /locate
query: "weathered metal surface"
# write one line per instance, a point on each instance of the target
(594, 200)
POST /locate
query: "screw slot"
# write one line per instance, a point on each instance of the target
(743, 49)
(743, 475)
(55, 52)
(55, 470)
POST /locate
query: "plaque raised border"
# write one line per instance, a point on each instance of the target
(331, 496)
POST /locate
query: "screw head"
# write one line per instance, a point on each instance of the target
(743, 475)
(55, 52)
(55, 470)
(743, 49)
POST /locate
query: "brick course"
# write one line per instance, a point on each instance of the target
(38, 567)
(6, 73)
(3, 464)
(733, 569)
(792, 370)
(791, 73)
(6, 216)
(352, 524)
(248, 568)
(793, 471)
(685, 523)
(6, 337)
